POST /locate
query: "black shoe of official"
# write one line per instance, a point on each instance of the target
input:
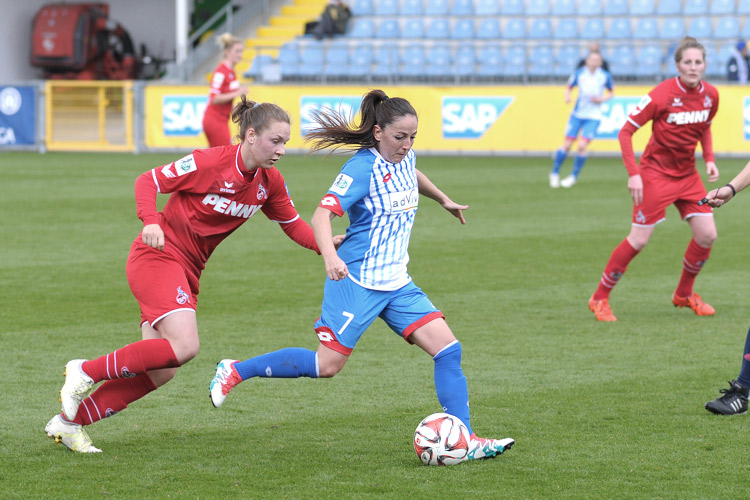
(732, 401)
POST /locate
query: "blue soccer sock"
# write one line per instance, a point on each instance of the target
(559, 160)
(578, 162)
(450, 383)
(744, 377)
(292, 362)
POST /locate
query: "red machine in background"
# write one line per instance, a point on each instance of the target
(78, 41)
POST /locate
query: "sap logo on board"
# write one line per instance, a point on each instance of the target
(344, 105)
(471, 117)
(182, 115)
(7, 136)
(746, 118)
(614, 115)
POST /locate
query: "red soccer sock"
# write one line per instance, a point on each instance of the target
(113, 396)
(135, 358)
(695, 257)
(618, 263)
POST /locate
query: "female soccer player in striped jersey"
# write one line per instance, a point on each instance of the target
(214, 191)
(681, 110)
(379, 189)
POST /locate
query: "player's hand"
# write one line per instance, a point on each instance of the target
(153, 236)
(456, 209)
(335, 267)
(242, 90)
(713, 171)
(337, 240)
(717, 197)
(635, 186)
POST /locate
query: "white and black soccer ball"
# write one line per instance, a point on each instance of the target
(441, 439)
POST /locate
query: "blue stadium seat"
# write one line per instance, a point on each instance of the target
(649, 60)
(387, 8)
(513, 8)
(337, 61)
(360, 61)
(412, 60)
(362, 28)
(616, 7)
(619, 28)
(462, 8)
(642, 7)
(593, 29)
(412, 8)
(311, 60)
(363, 8)
(537, 7)
(646, 29)
(490, 60)
(695, 7)
(515, 29)
(722, 7)
(463, 29)
(672, 29)
(465, 61)
(589, 7)
(386, 60)
(542, 61)
(669, 7)
(387, 28)
(743, 7)
(700, 27)
(436, 7)
(564, 8)
(746, 29)
(566, 28)
(439, 61)
(622, 60)
(440, 27)
(489, 28)
(256, 68)
(413, 28)
(289, 59)
(487, 8)
(514, 61)
(540, 28)
(567, 59)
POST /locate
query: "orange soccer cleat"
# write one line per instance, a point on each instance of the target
(694, 302)
(601, 309)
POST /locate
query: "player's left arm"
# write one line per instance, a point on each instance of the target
(708, 154)
(427, 188)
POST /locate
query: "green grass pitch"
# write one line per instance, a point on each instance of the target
(597, 410)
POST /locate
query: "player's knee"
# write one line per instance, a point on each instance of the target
(186, 349)
(328, 370)
(706, 240)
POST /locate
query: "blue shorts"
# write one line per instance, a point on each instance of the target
(586, 127)
(349, 309)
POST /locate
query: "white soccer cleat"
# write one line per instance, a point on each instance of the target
(487, 448)
(225, 379)
(569, 181)
(77, 387)
(554, 180)
(71, 435)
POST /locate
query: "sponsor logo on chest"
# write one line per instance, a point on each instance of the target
(402, 201)
(230, 207)
(688, 117)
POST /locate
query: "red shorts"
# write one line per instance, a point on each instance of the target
(159, 282)
(660, 191)
(216, 129)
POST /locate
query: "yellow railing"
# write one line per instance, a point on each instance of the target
(89, 115)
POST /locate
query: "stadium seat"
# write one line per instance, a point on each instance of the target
(387, 8)
(538, 7)
(487, 8)
(256, 68)
(589, 7)
(360, 61)
(463, 29)
(669, 7)
(413, 28)
(311, 60)
(514, 61)
(513, 8)
(566, 28)
(464, 61)
(593, 29)
(567, 59)
(440, 27)
(540, 28)
(337, 61)
(649, 61)
(700, 28)
(695, 7)
(722, 7)
(743, 7)
(564, 8)
(646, 29)
(289, 59)
(490, 59)
(622, 60)
(412, 8)
(619, 28)
(616, 7)
(672, 29)
(439, 61)
(387, 29)
(412, 60)
(363, 8)
(462, 8)
(515, 29)
(362, 28)
(541, 61)
(489, 28)
(386, 60)
(642, 7)
(436, 8)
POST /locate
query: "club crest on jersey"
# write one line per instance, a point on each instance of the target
(228, 188)
(341, 184)
(677, 102)
(707, 102)
(185, 165)
(182, 296)
(262, 193)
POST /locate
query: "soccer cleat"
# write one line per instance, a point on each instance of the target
(71, 435)
(569, 181)
(694, 302)
(732, 401)
(224, 381)
(554, 180)
(601, 309)
(487, 448)
(77, 387)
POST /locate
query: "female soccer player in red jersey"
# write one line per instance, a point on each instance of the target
(681, 110)
(224, 88)
(214, 191)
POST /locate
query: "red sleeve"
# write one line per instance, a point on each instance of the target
(145, 198)
(707, 144)
(626, 146)
(301, 233)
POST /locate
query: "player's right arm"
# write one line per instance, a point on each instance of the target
(641, 115)
(321, 223)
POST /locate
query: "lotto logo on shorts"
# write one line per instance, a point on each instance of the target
(615, 113)
(471, 117)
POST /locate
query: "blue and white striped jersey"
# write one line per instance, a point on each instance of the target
(589, 85)
(381, 200)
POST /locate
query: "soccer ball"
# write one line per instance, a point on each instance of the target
(441, 439)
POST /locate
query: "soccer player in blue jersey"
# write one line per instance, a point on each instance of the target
(594, 87)
(379, 189)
